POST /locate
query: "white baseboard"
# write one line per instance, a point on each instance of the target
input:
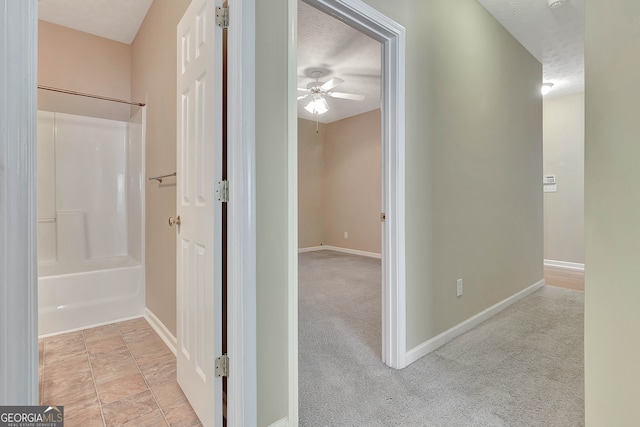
(93, 325)
(564, 264)
(446, 336)
(164, 333)
(338, 249)
(311, 249)
(283, 422)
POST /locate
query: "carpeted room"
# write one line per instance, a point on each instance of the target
(522, 366)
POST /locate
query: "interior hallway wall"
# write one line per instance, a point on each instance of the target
(612, 209)
(78, 61)
(153, 81)
(340, 183)
(473, 163)
(564, 157)
(353, 179)
(272, 209)
(311, 183)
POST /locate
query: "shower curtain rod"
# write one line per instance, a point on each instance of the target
(88, 95)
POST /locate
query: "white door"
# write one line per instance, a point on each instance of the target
(199, 167)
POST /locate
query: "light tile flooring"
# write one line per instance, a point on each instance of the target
(115, 375)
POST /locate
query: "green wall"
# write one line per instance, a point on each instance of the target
(612, 212)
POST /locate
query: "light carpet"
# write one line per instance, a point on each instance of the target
(522, 367)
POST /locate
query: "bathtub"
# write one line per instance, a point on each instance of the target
(91, 253)
(88, 293)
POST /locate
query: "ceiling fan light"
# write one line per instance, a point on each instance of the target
(546, 88)
(317, 106)
(554, 4)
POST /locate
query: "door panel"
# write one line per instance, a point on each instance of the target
(199, 241)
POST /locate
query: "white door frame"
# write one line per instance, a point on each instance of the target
(18, 250)
(241, 228)
(391, 35)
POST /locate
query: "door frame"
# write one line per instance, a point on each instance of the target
(391, 35)
(18, 211)
(242, 408)
(241, 227)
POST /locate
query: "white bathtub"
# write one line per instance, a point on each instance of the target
(88, 293)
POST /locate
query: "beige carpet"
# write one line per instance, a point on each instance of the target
(522, 367)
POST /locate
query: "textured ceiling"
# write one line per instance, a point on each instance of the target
(117, 20)
(326, 44)
(554, 36)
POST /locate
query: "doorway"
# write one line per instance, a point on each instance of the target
(370, 22)
(339, 204)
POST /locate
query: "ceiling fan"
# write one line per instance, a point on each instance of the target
(317, 91)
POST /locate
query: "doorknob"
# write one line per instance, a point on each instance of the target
(175, 221)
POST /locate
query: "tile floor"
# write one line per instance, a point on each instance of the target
(115, 375)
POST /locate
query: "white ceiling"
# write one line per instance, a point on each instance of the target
(555, 37)
(326, 44)
(117, 20)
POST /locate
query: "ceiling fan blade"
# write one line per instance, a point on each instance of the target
(342, 95)
(301, 89)
(302, 97)
(331, 83)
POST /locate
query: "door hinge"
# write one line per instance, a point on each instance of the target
(222, 366)
(222, 191)
(383, 217)
(222, 17)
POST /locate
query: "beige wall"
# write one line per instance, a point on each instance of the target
(564, 158)
(339, 183)
(353, 182)
(73, 60)
(153, 81)
(612, 210)
(311, 183)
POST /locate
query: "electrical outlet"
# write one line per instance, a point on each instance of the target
(459, 288)
(346, 235)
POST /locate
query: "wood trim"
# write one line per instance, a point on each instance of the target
(564, 264)
(18, 208)
(292, 210)
(462, 327)
(242, 392)
(371, 22)
(283, 422)
(343, 250)
(163, 332)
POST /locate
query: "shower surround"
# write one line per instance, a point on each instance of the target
(90, 220)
